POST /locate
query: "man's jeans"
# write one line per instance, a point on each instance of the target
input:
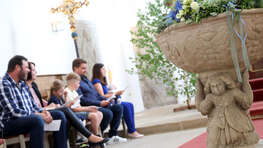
(34, 125)
(112, 115)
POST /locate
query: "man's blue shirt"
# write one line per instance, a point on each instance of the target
(89, 92)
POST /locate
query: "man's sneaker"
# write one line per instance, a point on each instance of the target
(120, 139)
(116, 139)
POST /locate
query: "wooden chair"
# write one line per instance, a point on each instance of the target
(125, 130)
(2, 143)
(21, 139)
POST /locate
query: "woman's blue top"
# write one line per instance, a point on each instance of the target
(105, 89)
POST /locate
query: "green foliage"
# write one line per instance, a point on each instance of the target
(256, 3)
(211, 8)
(214, 7)
(152, 62)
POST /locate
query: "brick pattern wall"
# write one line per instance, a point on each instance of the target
(44, 83)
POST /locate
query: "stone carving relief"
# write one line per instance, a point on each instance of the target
(226, 104)
(191, 46)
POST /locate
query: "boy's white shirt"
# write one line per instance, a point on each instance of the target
(71, 95)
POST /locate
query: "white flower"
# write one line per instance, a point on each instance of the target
(184, 6)
(178, 16)
(195, 6)
(181, 12)
(182, 19)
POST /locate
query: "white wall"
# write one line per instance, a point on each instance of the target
(114, 20)
(25, 27)
(6, 37)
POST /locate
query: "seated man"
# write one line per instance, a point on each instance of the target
(19, 114)
(111, 113)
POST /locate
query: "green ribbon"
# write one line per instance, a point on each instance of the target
(232, 19)
(242, 35)
(233, 46)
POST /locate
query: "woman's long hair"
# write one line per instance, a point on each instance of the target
(96, 73)
(29, 75)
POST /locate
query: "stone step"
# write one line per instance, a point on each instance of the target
(173, 126)
(164, 119)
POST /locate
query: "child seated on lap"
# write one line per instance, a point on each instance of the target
(59, 96)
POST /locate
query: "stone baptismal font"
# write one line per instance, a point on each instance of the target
(223, 97)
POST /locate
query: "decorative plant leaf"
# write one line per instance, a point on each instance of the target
(152, 63)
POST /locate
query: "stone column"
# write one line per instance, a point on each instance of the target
(88, 44)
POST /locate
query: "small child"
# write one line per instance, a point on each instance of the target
(94, 115)
(84, 113)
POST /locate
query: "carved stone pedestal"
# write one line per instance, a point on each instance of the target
(205, 49)
(258, 145)
(250, 146)
(226, 102)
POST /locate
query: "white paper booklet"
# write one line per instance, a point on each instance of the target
(76, 104)
(53, 126)
(116, 90)
(111, 98)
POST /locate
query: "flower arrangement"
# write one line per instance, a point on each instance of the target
(157, 16)
(190, 11)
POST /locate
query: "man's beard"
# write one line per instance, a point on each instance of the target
(22, 75)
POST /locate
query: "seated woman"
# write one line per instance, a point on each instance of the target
(100, 83)
(71, 117)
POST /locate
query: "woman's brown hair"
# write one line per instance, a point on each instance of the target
(96, 73)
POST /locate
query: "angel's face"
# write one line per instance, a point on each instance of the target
(217, 87)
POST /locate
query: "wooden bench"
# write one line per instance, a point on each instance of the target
(2, 143)
(20, 139)
(125, 130)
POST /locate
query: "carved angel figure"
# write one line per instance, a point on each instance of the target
(226, 105)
